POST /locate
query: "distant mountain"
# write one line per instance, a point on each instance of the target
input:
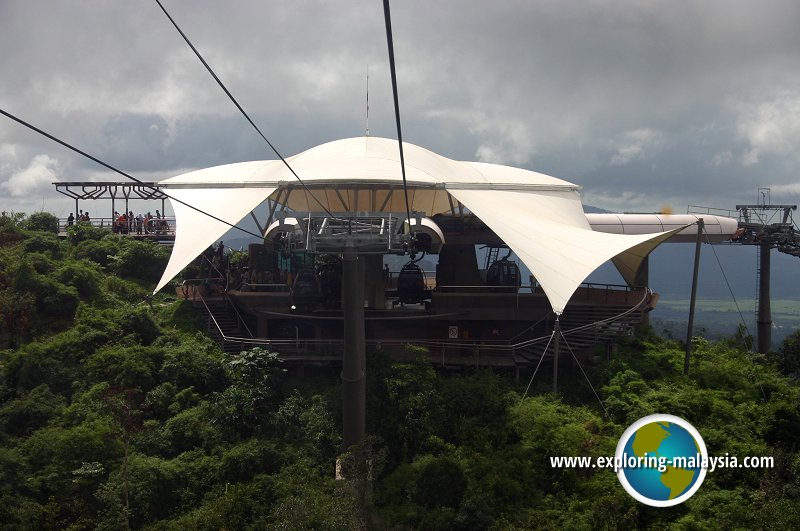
(589, 209)
(721, 266)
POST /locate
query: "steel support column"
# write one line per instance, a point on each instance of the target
(354, 356)
(693, 300)
(764, 320)
(556, 348)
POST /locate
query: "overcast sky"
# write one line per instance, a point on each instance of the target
(644, 104)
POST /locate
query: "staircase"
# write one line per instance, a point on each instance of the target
(222, 323)
(583, 327)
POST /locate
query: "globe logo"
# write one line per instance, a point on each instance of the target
(661, 460)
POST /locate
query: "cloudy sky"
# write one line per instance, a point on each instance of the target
(644, 104)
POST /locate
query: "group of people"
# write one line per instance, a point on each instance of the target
(128, 223)
(82, 217)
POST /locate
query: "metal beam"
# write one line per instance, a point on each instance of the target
(556, 348)
(693, 300)
(764, 320)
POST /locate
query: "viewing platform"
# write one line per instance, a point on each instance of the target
(121, 196)
(476, 326)
(160, 230)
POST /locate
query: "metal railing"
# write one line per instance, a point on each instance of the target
(331, 349)
(164, 226)
(188, 284)
(710, 211)
(369, 232)
(239, 317)
(275, 288)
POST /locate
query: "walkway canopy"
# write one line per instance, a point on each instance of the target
(539, 217)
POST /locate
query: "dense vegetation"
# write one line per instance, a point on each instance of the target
(116, 412)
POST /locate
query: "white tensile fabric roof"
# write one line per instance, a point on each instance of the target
(539, 217)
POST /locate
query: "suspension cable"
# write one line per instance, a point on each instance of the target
(537, 366)
(390, 45)
(728, 284)
(605, 411)
(112, 168)
(241, 109)
(750, 349)
(531, 327)
(647, 293)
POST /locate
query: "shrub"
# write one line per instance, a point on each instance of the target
(126, 290)
(43, 243)
(441, 483)
(195, 362)
(10, 233)
(42, 222)
(52, 298)
(143, 260)
(16, 313)
(790, 354)
(98, 251)
(83, 231)
(128, 367)
(32, 410)
(41, 263)
(82, 275)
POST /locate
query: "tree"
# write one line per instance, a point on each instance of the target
(45, 243)
(410, 389)
(81, 275)
(30, 411)
(42, 221)
(10, 231)
(124, 406)
(790, 354)
(16, 313)
(248, 403)
(143, 260)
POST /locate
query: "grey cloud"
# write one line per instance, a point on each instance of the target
(641, 103)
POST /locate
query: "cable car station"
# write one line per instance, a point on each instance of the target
(350, 213)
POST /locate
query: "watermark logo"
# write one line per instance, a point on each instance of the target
(662, 460)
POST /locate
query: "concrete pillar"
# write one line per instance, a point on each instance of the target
(375, 290)
(354, 356)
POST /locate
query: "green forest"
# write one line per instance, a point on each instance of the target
(118, 412)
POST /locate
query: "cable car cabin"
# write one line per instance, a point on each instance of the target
(411, 284)
(504, 273)
(306, 293)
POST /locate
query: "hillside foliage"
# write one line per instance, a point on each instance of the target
(118, 412)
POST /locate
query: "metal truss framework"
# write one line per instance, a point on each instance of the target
(124, 191)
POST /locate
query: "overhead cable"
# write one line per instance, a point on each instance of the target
(241, 109)
(112, 168)
(727, 283)
(390, 44)
(747, 348)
